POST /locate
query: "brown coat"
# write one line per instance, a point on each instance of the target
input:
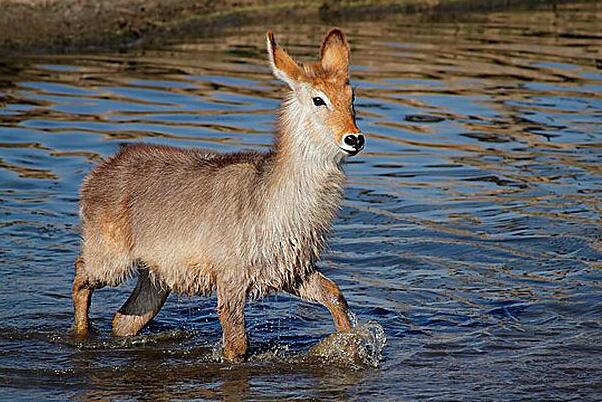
(244, 224)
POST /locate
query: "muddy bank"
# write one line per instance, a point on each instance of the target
(77, 24)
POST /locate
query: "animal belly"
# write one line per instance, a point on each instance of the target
(189, 277)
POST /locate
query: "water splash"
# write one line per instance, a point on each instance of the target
(360, 347)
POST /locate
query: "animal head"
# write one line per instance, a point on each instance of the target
(321, 95)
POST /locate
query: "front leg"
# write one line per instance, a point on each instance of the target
(318, 288)
(231, 311)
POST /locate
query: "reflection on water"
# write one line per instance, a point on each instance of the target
(470, 230)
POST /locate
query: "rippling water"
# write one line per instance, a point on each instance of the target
(470, 232)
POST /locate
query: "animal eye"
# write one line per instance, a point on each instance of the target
(318, 101)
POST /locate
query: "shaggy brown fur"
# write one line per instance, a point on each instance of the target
(243, 225)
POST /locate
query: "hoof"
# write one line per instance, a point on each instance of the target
(233, 357)
(340, 347)
(80, 331)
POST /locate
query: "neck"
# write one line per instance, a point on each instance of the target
(300, 161)
(297, 148)
(305, 184)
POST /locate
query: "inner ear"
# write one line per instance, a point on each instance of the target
(283, 65)
(334, 53)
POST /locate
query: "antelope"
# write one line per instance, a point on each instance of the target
(242, 225)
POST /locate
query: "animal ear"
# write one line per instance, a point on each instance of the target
(334, 53)
(283, 66)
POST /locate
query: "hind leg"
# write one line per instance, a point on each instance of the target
(140, 308)
(82, 293)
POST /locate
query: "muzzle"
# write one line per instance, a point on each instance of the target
(353, 143)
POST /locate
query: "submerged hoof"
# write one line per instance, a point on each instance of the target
(233, 356)
(340, 347)
(80, 332)
(361, 346)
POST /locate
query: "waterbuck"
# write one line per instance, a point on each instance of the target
(243, 225)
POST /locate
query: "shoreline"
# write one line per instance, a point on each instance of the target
(78, 25)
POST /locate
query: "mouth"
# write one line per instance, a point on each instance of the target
(352, 151)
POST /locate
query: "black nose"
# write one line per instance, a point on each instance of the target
(356, 141)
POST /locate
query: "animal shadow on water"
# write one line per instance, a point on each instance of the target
(243, 225)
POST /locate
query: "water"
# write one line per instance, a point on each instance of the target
(470, 233)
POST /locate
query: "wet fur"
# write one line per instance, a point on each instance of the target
(242, 224)
(189, 216)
